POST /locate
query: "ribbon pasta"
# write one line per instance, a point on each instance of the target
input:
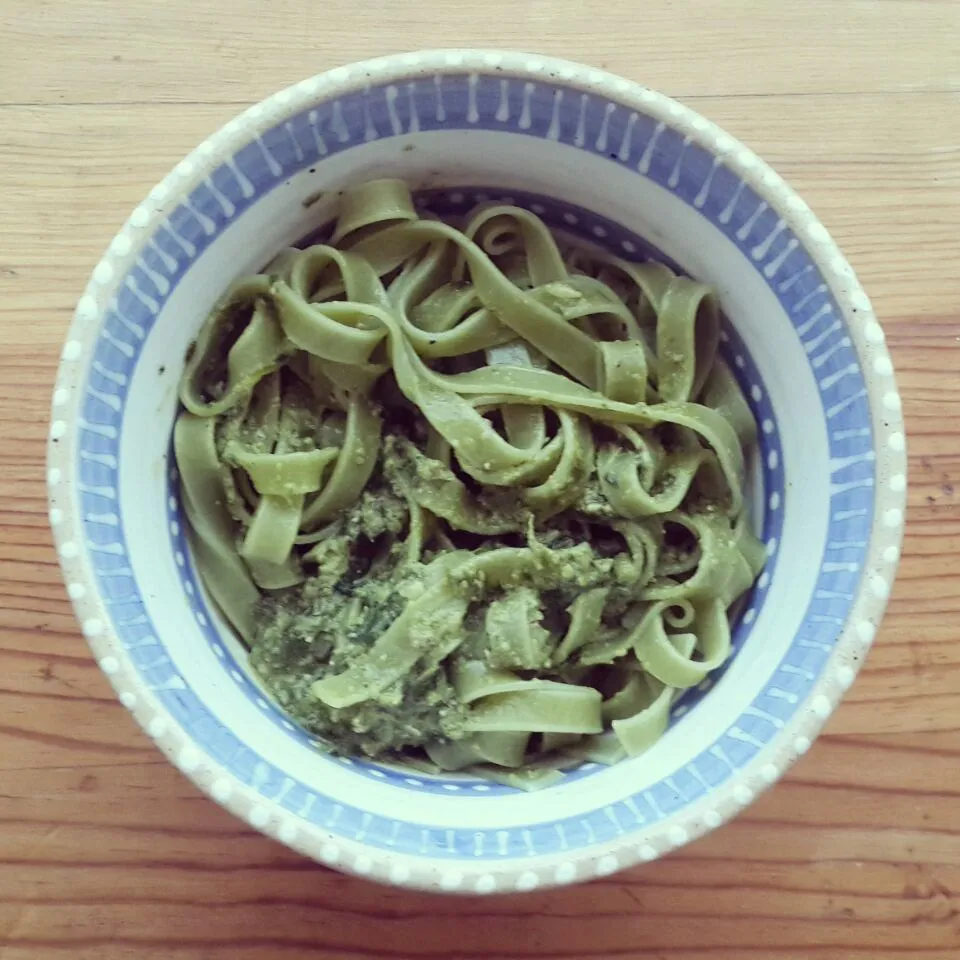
(471, 493)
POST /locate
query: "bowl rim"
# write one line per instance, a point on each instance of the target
(702, 815)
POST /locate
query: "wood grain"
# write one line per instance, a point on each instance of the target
(106, 852)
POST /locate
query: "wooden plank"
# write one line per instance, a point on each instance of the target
(184, 51)
(843, 161)
(108, 853)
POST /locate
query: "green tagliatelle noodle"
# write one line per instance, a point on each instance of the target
(471, 491)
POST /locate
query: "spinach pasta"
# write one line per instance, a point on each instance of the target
(470, 492)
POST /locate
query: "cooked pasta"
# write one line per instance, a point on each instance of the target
(470, 492)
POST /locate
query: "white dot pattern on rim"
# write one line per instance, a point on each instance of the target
(606, 865)
(451, 880)
(527, 880)
(820, 705)
(222, 790)
(711, 819)
(845, 676)
(157, 727)
(893, 517)
(879, 585)
(486, 883)
(769, 772)
(330, 853)
(889, 441)
(109, 665)
(69, 550)
(86, 308)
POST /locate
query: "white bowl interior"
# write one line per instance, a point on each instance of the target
(494, 159)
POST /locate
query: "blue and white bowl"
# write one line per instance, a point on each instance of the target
(591, 153)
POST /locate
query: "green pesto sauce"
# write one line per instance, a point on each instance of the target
(361, 580)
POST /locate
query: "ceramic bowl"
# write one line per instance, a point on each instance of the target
(591, 153)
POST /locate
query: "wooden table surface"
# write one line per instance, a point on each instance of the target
(107, 852)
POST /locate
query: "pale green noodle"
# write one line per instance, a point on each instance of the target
(471, 492)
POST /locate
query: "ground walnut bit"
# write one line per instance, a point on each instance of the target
(377, 512)
(515, 638)
(594, 504)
